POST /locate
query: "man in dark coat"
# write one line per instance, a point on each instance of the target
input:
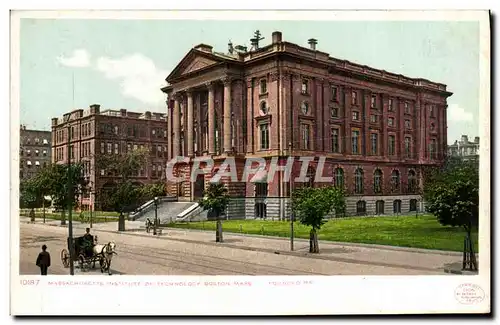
(43, 260)
(88, 242)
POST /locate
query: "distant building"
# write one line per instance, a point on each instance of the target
(464, 148)
(34, 151)
(109, 132)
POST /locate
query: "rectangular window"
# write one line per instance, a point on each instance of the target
(392, 145)
(432, 149)
(374, 101)
(373, 118)
(335, 140)
(407, 108)
(305, 136)
(355, 116)
(390, 121)
(374, 140)
(102, 172)
(110, 148)
(354, 98)
(334, 93)
(305, 86)
(391, 107)
(407, 147)
(355, 141)
(264, 136)
(263, 86)
(129, 147)
(135, 147)
(432, 111)
(407, 124)
(116, 149)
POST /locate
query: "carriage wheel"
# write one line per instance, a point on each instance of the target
(81, 261)
(65, 257)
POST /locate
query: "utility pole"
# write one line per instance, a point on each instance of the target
(291, 187)
(70, 207)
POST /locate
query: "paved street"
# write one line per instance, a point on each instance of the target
(142, 254)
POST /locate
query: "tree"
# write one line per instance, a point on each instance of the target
(150, 191)
(452, 195)
(215, 200)
(123, 197)
(311, 206)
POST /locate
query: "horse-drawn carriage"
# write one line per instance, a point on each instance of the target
(87, 252)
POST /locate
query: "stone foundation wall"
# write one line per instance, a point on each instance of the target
(245, 208)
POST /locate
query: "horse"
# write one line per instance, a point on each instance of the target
(106, 252)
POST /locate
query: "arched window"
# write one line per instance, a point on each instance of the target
(395, 179)
(304, 107)
(412, 182)
(263, 107)
(361, 208)
(379, 206)
(339, 177)
(358, 181)
(413, 205)
(377, 181)
(397, 206)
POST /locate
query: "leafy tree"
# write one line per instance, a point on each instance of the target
(29, 194)
(215, 200)
(150, 191)
(452, 195)
(125, 196)
(311, 205)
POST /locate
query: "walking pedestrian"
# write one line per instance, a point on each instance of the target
(43, 260)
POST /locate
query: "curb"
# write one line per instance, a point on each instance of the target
(281, 252)
(327, 242)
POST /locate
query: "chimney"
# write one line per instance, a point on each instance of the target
(204, 48)
(148, 114)
(465, 139)
(276, 37)
(476, 139)
(230, 47)
(123, 112)
(312, 43)
(54, 121)
(80, 113)
(95, 109)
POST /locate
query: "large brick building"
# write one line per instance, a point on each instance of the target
(109, 132)
(376, 128)
(34, 151)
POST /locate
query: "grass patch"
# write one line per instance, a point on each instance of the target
(423, 231)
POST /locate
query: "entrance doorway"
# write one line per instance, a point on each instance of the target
(260, 210)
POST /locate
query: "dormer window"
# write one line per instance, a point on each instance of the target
(45, 141)
(305, 86)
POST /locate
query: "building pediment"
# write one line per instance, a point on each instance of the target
(195, 60)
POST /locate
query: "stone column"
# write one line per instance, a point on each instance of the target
(227, 115)
(211, 118)
(190, 120)
(169, 129)
(177, 126)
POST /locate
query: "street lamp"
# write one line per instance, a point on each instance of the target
(156, 215)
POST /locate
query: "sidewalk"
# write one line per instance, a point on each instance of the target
(406, 258)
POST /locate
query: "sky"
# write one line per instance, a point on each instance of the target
(124, 63)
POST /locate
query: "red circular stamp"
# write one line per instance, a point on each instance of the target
(469, 294)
